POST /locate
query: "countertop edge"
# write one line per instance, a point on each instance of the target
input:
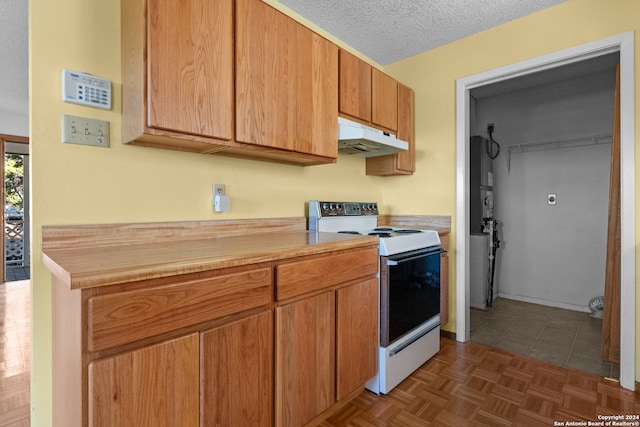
(84, 278)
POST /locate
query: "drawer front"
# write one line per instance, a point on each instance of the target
(300, 277)
(128, 316)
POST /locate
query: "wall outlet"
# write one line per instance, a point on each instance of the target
(221, 202)
(552, 199)
(80, 130)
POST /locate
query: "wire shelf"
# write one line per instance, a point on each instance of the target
(581, 141)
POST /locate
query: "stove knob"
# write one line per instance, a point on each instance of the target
(325, 206)
(374, 206)
(332, 206)
(339, 206)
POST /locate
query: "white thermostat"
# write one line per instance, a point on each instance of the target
(85, 89)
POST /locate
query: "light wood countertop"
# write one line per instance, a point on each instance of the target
(85, 266)
(442, 224)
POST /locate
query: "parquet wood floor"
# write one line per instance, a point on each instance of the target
(14, 354)
(470, 384)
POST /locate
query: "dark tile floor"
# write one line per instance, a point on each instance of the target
(563, 337)
(14, 273)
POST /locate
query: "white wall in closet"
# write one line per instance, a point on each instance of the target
(552, 254)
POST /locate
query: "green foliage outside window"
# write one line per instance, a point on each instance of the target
(14, 181)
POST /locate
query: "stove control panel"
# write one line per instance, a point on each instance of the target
(327, 209)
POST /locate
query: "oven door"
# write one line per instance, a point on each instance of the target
(409, 291)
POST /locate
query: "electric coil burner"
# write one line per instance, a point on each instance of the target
(409, 295)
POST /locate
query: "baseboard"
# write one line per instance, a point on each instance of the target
(574, 307)
(447, 334)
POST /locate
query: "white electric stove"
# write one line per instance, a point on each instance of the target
(409, 291)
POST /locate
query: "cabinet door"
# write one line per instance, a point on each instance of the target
(237, 369)
(406, 128)
(402, 163)
(384, 100)
(304, 359)
(286, 82)
(190, 67)
(153, 386)
(356, 336)
(355, 86)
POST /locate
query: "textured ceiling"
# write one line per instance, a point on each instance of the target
(14, 51)
(390, 30)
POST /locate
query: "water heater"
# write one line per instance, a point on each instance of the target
(480, 184)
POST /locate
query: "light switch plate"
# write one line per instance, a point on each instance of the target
(81, 130)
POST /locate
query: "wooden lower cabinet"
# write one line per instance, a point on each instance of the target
(152, 386)
(237, 373)
(305, 336)
(217, 348)
(356, 336)
(220, 377)
(326, 348)
(444, 281)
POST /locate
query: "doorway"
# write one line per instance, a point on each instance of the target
(623, 44)
(551, 137)
(15, 195)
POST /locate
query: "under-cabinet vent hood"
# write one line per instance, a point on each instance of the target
(356, 138)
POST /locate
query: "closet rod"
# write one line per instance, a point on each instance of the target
(560, 143)
(581, 141)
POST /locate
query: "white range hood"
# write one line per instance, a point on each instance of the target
(356, 138)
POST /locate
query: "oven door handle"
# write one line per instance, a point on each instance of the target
(415, 255)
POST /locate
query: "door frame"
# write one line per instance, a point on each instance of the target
(624, 44)
(4, 139)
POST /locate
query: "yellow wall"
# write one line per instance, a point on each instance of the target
(78, 184)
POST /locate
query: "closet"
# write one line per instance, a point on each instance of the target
(551, 181)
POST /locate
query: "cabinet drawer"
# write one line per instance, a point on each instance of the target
(128, 316)
(297, 278)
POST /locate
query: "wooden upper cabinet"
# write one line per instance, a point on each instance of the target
(406, 160)
(402, 163)
(355, 86)
(182, 63)
(190, 60)
(384, 100)
(367, 94)
(286, 83)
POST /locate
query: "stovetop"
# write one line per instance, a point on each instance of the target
(383, 232)
(362, 218)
